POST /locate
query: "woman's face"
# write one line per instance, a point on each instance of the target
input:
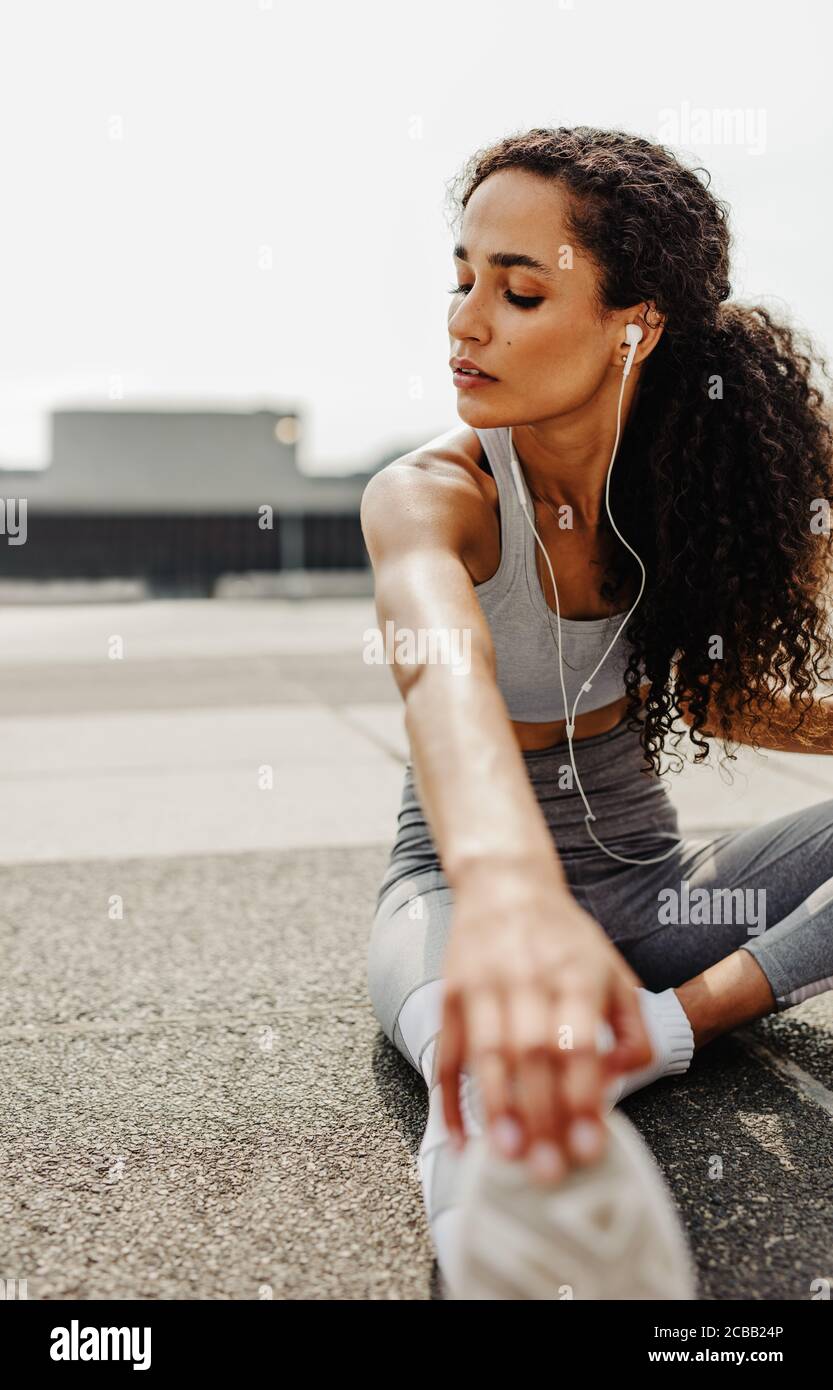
(550, 354)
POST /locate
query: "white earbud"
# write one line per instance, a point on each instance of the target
(634, 336)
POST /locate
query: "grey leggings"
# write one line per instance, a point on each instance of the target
(767, 890)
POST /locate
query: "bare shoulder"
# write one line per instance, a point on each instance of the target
(453, 457)
(436, 489)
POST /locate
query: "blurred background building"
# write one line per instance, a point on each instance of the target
(180, 498)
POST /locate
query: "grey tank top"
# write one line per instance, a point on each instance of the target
(525, 629)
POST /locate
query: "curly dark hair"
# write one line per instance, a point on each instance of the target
(727, 446)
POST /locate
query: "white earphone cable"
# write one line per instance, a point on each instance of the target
(570, 727)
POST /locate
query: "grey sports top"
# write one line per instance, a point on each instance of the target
(525, 629)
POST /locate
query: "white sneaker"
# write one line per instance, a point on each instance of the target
(608, 1230)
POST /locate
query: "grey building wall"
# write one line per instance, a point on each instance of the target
(120, 461)
(173, 496)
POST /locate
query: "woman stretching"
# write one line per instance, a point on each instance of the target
(631, 527)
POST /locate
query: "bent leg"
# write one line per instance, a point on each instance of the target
(768, 892)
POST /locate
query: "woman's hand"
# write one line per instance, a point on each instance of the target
(529, 977)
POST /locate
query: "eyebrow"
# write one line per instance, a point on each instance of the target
(506, 259)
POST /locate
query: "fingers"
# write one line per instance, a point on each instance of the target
(537, 1063)
(486, 1026)
(531, 1041)
(632, 1045)
(450, 1055)
(535, 1054)
(583, 1076)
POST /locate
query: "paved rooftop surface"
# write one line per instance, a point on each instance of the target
(199, 1101)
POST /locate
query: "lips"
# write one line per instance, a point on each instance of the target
(469, 368)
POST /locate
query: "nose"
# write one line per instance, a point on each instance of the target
(463, 325)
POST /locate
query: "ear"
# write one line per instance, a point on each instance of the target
(649, 320)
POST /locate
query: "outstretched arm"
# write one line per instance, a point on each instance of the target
(529, 974)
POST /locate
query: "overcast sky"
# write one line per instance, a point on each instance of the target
(158, 154)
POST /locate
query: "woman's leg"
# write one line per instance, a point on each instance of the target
(407, 944)
(609, 1230)
(438, 1161)
(739, 927)
(732, 992)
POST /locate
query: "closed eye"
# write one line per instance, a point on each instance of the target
(521, 301)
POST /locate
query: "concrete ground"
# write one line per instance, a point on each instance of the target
(199, 1102)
